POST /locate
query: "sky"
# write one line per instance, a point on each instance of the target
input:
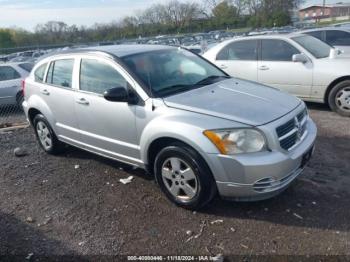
(28, 13)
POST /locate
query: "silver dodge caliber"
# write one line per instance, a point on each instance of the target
(173, 113)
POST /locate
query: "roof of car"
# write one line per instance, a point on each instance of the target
(267, 36)
(120, 50)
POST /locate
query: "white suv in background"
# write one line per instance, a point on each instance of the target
(298, 64)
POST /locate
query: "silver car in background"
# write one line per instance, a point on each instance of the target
(11, 76)
(171, 112)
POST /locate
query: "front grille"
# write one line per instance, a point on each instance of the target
(289, 141)
(302, 115)
(291, 132)
(285, 128)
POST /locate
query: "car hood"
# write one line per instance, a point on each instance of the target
(238, 100)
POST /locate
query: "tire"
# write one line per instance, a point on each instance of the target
(44, 134)
(339, 98)
(191, 189)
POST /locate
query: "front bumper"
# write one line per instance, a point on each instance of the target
(260, 176)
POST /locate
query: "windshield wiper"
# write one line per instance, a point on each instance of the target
(174, 89)
(210, 80)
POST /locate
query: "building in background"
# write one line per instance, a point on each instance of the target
(320, 13)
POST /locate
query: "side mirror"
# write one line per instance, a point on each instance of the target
(300, 58)
(117, 94)
(335, 52)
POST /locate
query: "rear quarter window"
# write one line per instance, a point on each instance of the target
(39, 73)
(60, 73)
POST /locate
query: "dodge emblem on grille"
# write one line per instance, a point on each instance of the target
(300, 129)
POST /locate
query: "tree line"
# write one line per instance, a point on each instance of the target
(172, 17)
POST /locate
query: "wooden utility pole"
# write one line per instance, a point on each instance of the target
(324, 8)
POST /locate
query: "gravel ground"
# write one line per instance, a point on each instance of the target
(50, 207)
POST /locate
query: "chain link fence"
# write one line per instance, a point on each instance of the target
(11, 112)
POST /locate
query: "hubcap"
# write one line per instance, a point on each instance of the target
(179, 179)
(44, 135)
(342, 99)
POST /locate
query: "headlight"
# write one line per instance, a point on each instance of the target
(237, 141)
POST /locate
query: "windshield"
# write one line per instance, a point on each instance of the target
(315, 46)
(171, 71)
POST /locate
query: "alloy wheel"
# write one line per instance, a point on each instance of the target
(44, 135)
(342, 99)
(180, 179)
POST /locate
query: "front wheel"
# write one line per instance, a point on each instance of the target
(339, 98)
(184, 176)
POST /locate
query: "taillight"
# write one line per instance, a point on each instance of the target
(23, 86)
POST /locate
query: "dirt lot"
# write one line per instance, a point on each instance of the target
(50, 207)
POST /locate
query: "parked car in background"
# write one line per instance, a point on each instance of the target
(299, 64)
(171, 112)
(11, 76)
(345, 24)
(336, 37)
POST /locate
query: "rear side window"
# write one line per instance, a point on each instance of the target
(26, 66)
(39, 73)
(8, 73)
(241, 50)
(97, 77)
(60, 73)
(337, 38)
(277, 50)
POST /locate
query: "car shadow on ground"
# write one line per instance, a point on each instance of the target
(318, 106)
(78, 153)
(301, 205)
(20, 241)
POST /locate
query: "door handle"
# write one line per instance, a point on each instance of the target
(223, 66)
(45, 92)
(82, 101)
(263, 68)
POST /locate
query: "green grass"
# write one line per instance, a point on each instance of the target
(332, 22)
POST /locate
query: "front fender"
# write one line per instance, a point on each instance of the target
(170, 128)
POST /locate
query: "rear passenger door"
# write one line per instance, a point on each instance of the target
(276, 68)
(58, 93)
(239, 59)
(108, 128)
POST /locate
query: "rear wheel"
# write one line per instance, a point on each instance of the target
(339, 98)
(46, 136)
(184, 176)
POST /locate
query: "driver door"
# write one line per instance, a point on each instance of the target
(106, 127)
